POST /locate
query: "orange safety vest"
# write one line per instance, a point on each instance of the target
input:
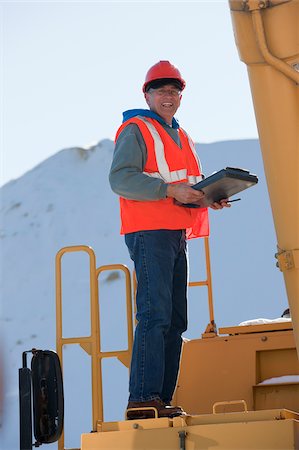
(167, 161)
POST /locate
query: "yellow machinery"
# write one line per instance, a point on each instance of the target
(221, 373)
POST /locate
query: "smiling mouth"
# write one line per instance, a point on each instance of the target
(167, 105)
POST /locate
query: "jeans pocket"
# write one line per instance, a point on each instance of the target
(130, 240)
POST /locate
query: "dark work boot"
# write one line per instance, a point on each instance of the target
(151, 409)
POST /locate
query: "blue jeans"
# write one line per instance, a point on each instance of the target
(160, 258)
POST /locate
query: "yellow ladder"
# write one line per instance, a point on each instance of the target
(92, 344)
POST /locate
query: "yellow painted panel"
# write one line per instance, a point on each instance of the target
(270, 435)
(226, 368)
(273, 395)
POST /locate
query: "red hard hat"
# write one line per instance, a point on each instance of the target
(163, 69)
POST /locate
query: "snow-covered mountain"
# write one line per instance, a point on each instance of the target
(66, 200)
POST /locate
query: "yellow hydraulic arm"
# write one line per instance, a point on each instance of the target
(267, 37)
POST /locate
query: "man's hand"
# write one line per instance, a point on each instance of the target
(183, 193)
(221, 204)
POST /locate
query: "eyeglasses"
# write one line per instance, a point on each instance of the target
(162, 92)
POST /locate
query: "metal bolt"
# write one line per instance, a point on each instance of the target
(264, 338)
(245, 5)
(135, 426)
(296, 66)
(182, 437)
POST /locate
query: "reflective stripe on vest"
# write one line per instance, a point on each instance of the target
(192, 146)
(164, 173)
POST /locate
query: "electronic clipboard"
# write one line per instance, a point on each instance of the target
(223, 184)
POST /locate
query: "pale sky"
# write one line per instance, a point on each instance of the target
(69, 70)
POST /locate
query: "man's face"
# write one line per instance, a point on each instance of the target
(164, 101)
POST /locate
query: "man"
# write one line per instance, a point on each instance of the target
(153, 167)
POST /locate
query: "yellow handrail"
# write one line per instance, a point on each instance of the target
(91, 344)
(232, 402)
(208, 281)
(123, 355)
(211, 327)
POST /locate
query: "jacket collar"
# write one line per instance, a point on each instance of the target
(148, 113)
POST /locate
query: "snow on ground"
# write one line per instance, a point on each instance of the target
(264, 321)
(283, 379)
